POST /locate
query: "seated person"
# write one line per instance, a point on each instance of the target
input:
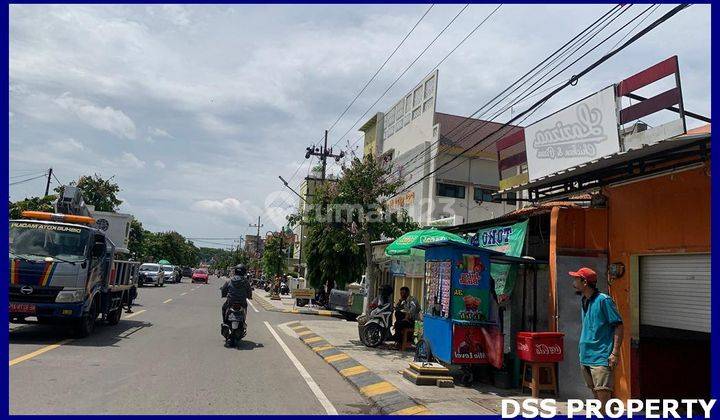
(406, 312)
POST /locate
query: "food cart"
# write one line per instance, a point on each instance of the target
(460, 319)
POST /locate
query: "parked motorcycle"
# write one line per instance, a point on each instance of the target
(374, 328)
(234, 328)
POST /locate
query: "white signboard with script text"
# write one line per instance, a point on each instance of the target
(580, 133)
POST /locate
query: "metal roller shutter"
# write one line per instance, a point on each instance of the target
(675, 291)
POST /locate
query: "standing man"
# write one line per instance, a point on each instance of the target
(601, 336)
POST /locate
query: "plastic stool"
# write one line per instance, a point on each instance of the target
(406, 341)
(534, 382)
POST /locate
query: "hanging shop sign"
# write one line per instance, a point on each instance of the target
(585, 131)
(508, 239)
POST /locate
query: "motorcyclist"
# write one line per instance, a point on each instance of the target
(237, 290)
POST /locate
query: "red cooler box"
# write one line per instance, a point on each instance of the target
(544, 347)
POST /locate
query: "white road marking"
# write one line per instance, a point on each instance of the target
(329, 408)
(183, 293)
(287, 329)
(134, 313)
(252, 306)
(167, 301)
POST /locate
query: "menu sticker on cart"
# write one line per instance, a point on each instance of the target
(471, 294)
(445, 278)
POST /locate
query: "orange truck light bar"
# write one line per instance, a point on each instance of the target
(57, 217)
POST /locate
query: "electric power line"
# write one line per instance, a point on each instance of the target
(589, 68)
(402, 73)
(29, 179)
(381, 67)
(559, 53)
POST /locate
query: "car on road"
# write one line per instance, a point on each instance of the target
(169, 271)
(150, 273)
(187, 272)
(200, 276)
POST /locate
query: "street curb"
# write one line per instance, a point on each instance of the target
(384, 395)
(306, 311)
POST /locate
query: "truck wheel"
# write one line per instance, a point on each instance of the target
(114, 317)
(86, 325)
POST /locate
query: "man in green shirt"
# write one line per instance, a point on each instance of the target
(601, 335)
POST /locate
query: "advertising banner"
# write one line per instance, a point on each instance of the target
(580, 133)
(510, 241)
(471, 289)
(477, 344)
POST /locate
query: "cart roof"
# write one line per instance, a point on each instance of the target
(495, 256)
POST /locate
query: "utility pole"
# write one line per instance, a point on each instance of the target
(323, 153)
(257, 245)
(47, 186)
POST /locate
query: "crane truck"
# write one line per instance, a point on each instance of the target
(63, 268)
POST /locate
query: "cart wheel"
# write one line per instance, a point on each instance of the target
(423, 352)
(467, 378)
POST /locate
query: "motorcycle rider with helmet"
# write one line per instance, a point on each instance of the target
(236, 291)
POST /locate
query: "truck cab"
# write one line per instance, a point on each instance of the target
(54, 267)
(63, 269)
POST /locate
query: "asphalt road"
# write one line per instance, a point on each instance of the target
(168, 358)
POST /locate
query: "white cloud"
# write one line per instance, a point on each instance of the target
(130, 160)
(159, 132)
(218, 125)
(103, 118)
(67, 145)
(158, 164)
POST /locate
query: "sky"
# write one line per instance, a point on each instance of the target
(195, 110)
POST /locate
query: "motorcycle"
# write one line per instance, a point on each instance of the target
(284, 289)
(234, 328)
(374, 328)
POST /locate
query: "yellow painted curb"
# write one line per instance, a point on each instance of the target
(322, 348)
(378, 388)
(297, 327)
(355, 370)
(308, 332)
(324, 312)
(314, 339)
(416, 409)
(336, 357)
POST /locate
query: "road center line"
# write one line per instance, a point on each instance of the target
(329, 409)
(39, 352)
(252, 306)
(134, 313)
(167, 301)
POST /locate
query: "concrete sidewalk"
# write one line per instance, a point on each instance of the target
(389, 363)
(286, 304)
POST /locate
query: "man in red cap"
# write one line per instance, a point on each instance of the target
(601, 335)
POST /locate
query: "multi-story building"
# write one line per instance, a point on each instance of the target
(416, 140)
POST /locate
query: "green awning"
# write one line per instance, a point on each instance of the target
(164, 262)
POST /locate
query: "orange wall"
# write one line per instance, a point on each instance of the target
(668, 214)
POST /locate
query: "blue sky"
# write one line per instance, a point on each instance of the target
(195, 109)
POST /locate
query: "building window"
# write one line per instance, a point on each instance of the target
(449, 190)
(483, 194)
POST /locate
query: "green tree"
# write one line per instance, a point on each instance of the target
(274, 257)
(137, 237)
(33, 203)
(332, 256)
(98, 192)
(364, 188)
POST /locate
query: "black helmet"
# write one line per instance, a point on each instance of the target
(240, 270)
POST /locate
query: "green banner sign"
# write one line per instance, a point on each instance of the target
(508, 239)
